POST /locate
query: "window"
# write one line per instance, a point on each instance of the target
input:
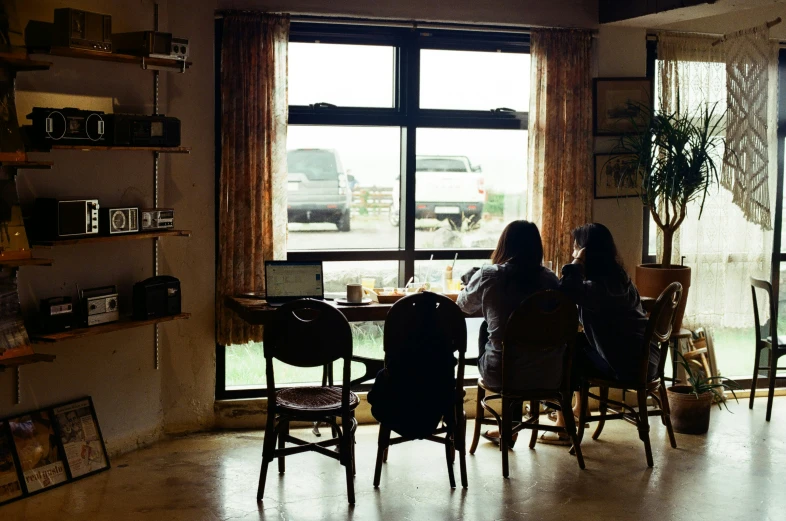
(405, 148)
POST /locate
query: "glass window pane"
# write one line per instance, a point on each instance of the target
(340, 187)
(344, 75)
(469, 184)
(472, 80)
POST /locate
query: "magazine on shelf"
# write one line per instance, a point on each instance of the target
(81, 438)
(10, 487)
(38, 451)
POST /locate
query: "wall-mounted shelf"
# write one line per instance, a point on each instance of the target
(112, 238)
(24, 360)
(20, 62)
(175, 65)
(31, 165)
(88, 148)
(124, 323)
(16, 263)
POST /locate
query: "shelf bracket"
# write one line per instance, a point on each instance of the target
(18, 386)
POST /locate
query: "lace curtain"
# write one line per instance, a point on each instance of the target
(252, 204)
(560, 138)
(722, 248)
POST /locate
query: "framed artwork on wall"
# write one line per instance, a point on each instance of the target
(617, 105)
(611, 179)
(10, 481)
(38, 451)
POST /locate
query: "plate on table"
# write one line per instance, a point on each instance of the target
(345, 302)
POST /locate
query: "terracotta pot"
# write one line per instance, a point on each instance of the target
(689, 414)
(651, 280)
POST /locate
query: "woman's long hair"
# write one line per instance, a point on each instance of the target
(601, 258)
(520, 245)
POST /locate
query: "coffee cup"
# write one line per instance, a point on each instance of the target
(354, 293)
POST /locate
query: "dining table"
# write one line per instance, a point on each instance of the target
(256, 311)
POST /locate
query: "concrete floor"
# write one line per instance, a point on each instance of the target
(737, 471)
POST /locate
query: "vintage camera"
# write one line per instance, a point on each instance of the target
(156, 297)
(114, 221)
(99, 305)
(143, 131)
(58, 219)
(152, 44)
(69, 126)
(158, 219)
(56, 315)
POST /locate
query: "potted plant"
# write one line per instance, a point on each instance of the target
(690, 404)
(671, 156)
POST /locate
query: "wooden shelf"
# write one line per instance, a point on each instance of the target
(123, 323)
(24, 360)
(85, 54)
(112, 238)
(87, 148)
(15, 263)
(30, 165)
(21, 62)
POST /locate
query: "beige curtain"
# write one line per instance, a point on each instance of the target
(252, 206)
(560, 138)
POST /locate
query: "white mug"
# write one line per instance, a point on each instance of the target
(354, 293)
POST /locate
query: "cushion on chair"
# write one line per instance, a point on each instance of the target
(317, 399)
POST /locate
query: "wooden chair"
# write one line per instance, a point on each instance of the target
(540, 335)
(776, 350)
(309, 333)
(419, 322)
(659, 327)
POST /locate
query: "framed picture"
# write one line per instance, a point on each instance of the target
(80, 437)
(38, 451)
(617, 104)
(10, 481)
(610, 170)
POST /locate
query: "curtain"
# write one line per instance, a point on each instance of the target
(252, 182)
(749, 54)
(722, 248)
(560, 138)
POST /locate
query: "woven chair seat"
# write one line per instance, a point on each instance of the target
(316, 399)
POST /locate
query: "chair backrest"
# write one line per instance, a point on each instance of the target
(767, 287)
(537, 347)
(308, 333)
(425, 321)
(659, 328)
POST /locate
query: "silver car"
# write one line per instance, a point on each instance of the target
(317, 188)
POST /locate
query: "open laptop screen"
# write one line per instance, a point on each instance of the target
(287, 280)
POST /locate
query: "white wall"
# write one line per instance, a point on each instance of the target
(621, 52)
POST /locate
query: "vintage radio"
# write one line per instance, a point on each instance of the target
(156, 297)
(57, 219)
(158, 219)
(69, 126)
(152, 44)
(56, 315)
(99, 305)
(140, 130)
(82, 30)
(114, 221)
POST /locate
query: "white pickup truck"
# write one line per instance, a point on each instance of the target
(446, 187)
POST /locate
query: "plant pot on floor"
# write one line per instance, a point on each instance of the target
(690, 414)
(652, 279)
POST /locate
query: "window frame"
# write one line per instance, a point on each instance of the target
(406, 115)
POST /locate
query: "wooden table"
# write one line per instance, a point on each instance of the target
(257, 312)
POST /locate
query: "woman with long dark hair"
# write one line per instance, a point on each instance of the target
(609, 306)
(516, 272)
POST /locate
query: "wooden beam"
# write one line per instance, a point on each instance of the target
(617, 10)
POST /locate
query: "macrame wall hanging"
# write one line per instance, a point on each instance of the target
(748, 56)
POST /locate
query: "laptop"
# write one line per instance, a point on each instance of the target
(287, 280)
